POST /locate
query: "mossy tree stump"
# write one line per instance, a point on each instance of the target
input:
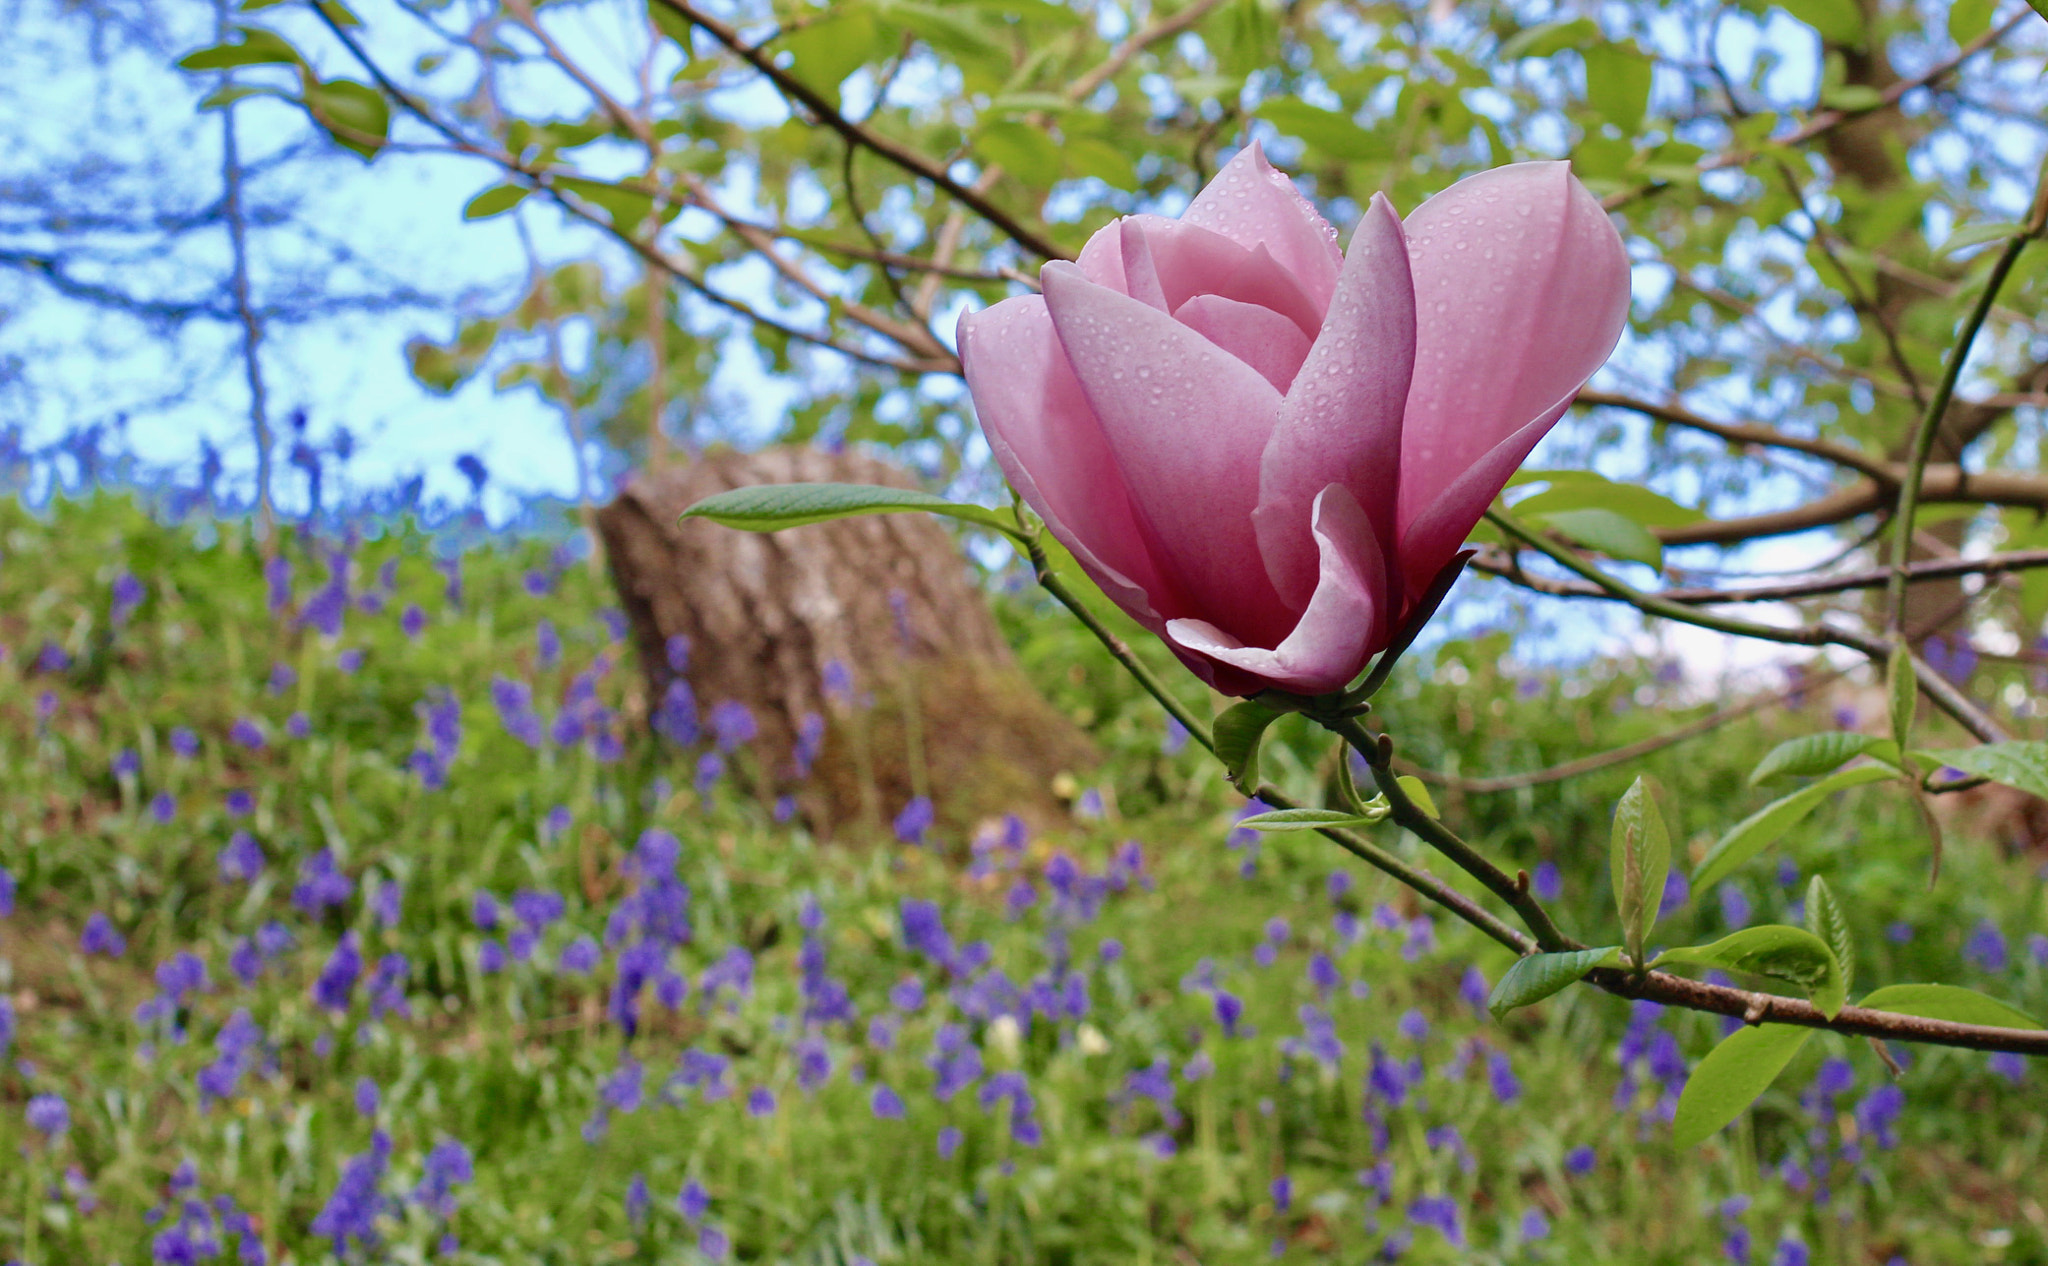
(872, 624)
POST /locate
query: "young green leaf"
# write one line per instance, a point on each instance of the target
(1237, 733)
(1536, 977)
(1311, 819)
(2022, 764)
(1768, 825)
(1825, 920)
(1419, 793)
(495, 200)
(1812, 754)
(1730, 1078)
(1605, 531)
(1639, 861)
(354, 114)
(1948, 1002)
(253, 46)
(1790, 954)
(772, 507)
(1902, 687)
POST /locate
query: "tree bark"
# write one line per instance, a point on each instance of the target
(872, 625)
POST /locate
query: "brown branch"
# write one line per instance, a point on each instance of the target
(827, 114)
(1758, 1008)
(1743, 433)
(1947, 484)
(1494, 564)
(1120, 56)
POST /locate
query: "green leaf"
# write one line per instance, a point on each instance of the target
(1612, 534)
(1550, 39)
(1852, 98)
(1948, 1002)
(1089, 156)
(1419, 793)
(1536, 977)
(1977, 235)
(1730, 1078)
(1824, 918)
(1583, 490)
(1840, 22)
(1813, 754)
(2022, 763)
(1327, 131)
(1902, 688)
(252, 46)
(1618, 84)
(772, 507)
(354, 114)
(495, 200)
(1237, 733)
(339, 13)
(1638, 860)
(823, 54)
(670, 23)
(1308, 819)
(1968, 19)
(1790, 954)
(1026, 152)
(626, 207)
(1768, 825)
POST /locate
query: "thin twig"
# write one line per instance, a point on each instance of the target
(1937, 407)
(1873, 578)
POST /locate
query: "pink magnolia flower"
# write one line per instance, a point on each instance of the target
(1266, 450)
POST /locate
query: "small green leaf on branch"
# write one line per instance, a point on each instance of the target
(1606, 532)
(1812, 754)
(1902, 686)
(253, 46)
(1313, 819)
(1768, 825)
(1419, 793)
(1953, 1003)
(772, 507)
(1536, 977)
(2022, 764)
(1824, 918)
(1237, 733)
(1775, 951)
(354, 114)
(495, 200)
(1730, 1078)
(1639, 861)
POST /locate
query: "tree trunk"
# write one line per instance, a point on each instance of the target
(870, 625)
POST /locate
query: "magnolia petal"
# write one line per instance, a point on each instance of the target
(1260, 337)
(1185, 422)
(1344, 620)
(1051, 448)
(1166, 263)
(1341, 421)
(1252, 204)
(1521, 292)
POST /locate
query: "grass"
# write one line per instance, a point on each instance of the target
(516, 1065)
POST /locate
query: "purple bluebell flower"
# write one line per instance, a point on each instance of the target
(915, 819)
(388, 904)
(1441, 1214)
(1473, 990)
(2009, 1065)
(1176, 737)
(48, 1115)
(128, 594)
(581, 956)
(693, 1202)
(1282, 1191)
(1413, 1025)
(1500, 1075)
(352, 1209)
(127, 763)
(241, 858)
(676, 718)
(1877, 1114)
(335, 986)
(387, 987)
(1985, 948)
(1677, 891)
(101, 937)
(710, 768)
(547, 643)
(1791, 1252)
(245, 732)
(181, 975)
(321, 885)
(1110, 950)
(245, 961)
(163, 807)
(367, 1097)
(184, 743)
(638, 1198)
(2037, 948)
(732, 725)
(713, 1243)
(514, 702)
(490, 958)
(949, 1141)
(277, 577)
(1579, 1161)
(298, 726)
(886, 1104)
(1230, 1013)
(1199, 1066)
(282, 678)
(448, 1166)
(1898, 932)
(412, 621)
